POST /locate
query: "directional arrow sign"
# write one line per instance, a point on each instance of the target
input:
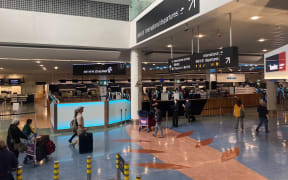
(228, 60)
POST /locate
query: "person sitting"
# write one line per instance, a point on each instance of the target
(8, 162)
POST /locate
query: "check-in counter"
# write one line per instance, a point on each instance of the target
(206, 107)
(96, 114)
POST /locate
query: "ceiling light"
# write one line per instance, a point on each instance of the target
(221, 47)
(145, 62)
(264, 50)
(41, 65)
(200, 36)
(38, 62)
(56, 67)
(44, 68)
(154, 64)
(169, 45)
(261, 40)
(255, 18)
(1, 68)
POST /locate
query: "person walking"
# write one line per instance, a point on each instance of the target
(80, 120)
(8, 162)
(175, 113)
(14, 136)
(158, 119)
(75, 126)
(27, 129)
(263, 115)
(239, 114)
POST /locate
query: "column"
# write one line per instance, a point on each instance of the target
(136, 77)
(271, 95)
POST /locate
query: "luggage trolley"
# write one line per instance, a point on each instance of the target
(146, 121)
(31, 150)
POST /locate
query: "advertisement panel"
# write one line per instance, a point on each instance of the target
(275, 64)
(99, 69)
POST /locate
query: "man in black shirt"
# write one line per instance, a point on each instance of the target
(158, 119)
(263, 115)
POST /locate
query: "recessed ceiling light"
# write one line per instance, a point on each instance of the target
(261, 40)
(41, 65)
(38, 62)
(56, 67)
(154, 64)
(221, 47)
(1, 68)
(145, 62)
(44, 68)
(264, 50)
(169, 45)
(200, 36)
(255, 18)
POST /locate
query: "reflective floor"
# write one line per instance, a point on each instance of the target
(177, 156)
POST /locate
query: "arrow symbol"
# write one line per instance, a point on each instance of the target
(228, 60)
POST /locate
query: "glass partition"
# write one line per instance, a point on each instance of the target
(138, 6)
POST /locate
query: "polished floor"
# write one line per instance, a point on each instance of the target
(209, 148)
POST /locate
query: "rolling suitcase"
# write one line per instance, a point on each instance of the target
(86, 143)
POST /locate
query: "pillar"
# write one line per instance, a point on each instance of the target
(271, 95)
(136, 77)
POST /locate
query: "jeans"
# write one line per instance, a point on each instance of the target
(158, 126)
(265, 121)
(72, 137)
(241, 121)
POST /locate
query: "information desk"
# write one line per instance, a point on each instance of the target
(95, 113)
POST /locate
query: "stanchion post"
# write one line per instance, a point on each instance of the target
(118, 175)
(19, 173)
(89, 167)
(56, 170)
(166, 119)
(126, 171)
(138, 178)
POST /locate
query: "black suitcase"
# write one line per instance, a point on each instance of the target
(86, 143)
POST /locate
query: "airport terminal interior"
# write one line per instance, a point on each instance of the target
(143, 89)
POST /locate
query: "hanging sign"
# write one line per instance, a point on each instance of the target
(99, 69)
(220, 58)
(165, 15)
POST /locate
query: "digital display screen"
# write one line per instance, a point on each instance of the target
(14, 81)
(2, 81)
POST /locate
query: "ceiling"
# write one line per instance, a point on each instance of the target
(273, 26)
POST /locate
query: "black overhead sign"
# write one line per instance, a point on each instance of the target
(165, 15)
(99, 69)
(220, 58)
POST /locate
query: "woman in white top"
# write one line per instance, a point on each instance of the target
(80, 122)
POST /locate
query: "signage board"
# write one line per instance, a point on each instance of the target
(165, 15)
(225, 77)
(14, 81)
(220, 58)
(99, 69)
(275, 64)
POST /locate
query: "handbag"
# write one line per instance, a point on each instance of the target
(20, 147)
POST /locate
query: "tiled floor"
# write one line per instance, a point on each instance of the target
(263, 156)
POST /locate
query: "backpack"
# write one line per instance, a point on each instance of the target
(74, 125)
(50, 147)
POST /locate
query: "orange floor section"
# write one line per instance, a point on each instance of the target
(194, 159)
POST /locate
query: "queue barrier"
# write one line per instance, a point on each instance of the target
(121, 166)
(19, 172)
